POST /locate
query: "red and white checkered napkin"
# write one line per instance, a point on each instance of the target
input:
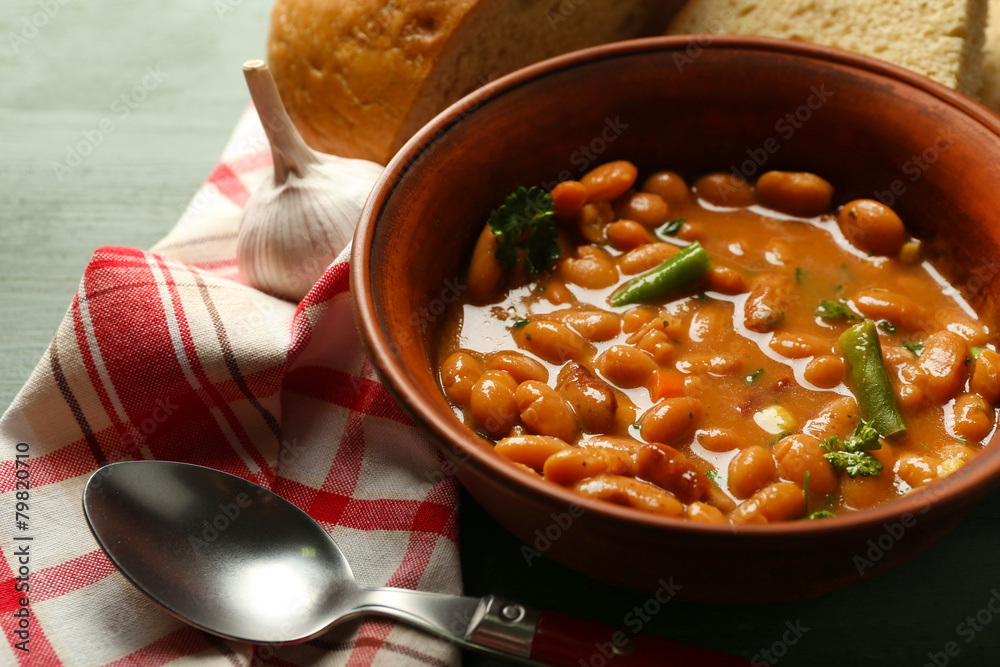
(165, 355)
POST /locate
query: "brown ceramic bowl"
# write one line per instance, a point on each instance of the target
(694, 105)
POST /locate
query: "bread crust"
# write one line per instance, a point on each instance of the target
(348, 71)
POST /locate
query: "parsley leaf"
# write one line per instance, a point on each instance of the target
(855, 463)
(525, 220)
(521, 322)
(853, 456)
(753, 377)
(914, 347)
(805, 489)
(835, 310)
(887, 326)
(818, 514)
(673, 226)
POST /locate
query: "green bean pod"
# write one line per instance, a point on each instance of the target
(870, 379)
(678, 272)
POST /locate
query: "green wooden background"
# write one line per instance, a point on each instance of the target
(59, 82)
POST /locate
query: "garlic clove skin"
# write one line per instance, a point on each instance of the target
(292, 232)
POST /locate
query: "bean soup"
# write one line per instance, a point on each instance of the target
(725, 352)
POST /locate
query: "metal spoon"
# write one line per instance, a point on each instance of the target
(236, 560)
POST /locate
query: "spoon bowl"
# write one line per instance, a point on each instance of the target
(224, 555)
(232, 558)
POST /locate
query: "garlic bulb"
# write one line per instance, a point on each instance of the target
(297, 222)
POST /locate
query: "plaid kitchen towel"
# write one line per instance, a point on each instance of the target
(165, 354)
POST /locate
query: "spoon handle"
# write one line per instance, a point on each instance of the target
(567, 641)
(560, 640)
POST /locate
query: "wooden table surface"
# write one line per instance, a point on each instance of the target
(61, 81)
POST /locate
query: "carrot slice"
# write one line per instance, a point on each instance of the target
(666, 384)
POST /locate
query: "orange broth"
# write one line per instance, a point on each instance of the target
(755, 387)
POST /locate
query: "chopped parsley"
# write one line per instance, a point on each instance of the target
(712, 475)
(835, 310)
(521, 322)
(914, 347)
(818, 514)
(887, 326)
(525, 220)
(799, 274)
(674, 226)
(853, 456)
(756, 375)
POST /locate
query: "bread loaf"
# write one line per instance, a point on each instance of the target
(942, 40)
(359, 77)
(991, 59)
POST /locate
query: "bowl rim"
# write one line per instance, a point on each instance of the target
(970, 481)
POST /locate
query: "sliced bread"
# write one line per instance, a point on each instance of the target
(991, 59)
(359, 77)
(943, 40)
